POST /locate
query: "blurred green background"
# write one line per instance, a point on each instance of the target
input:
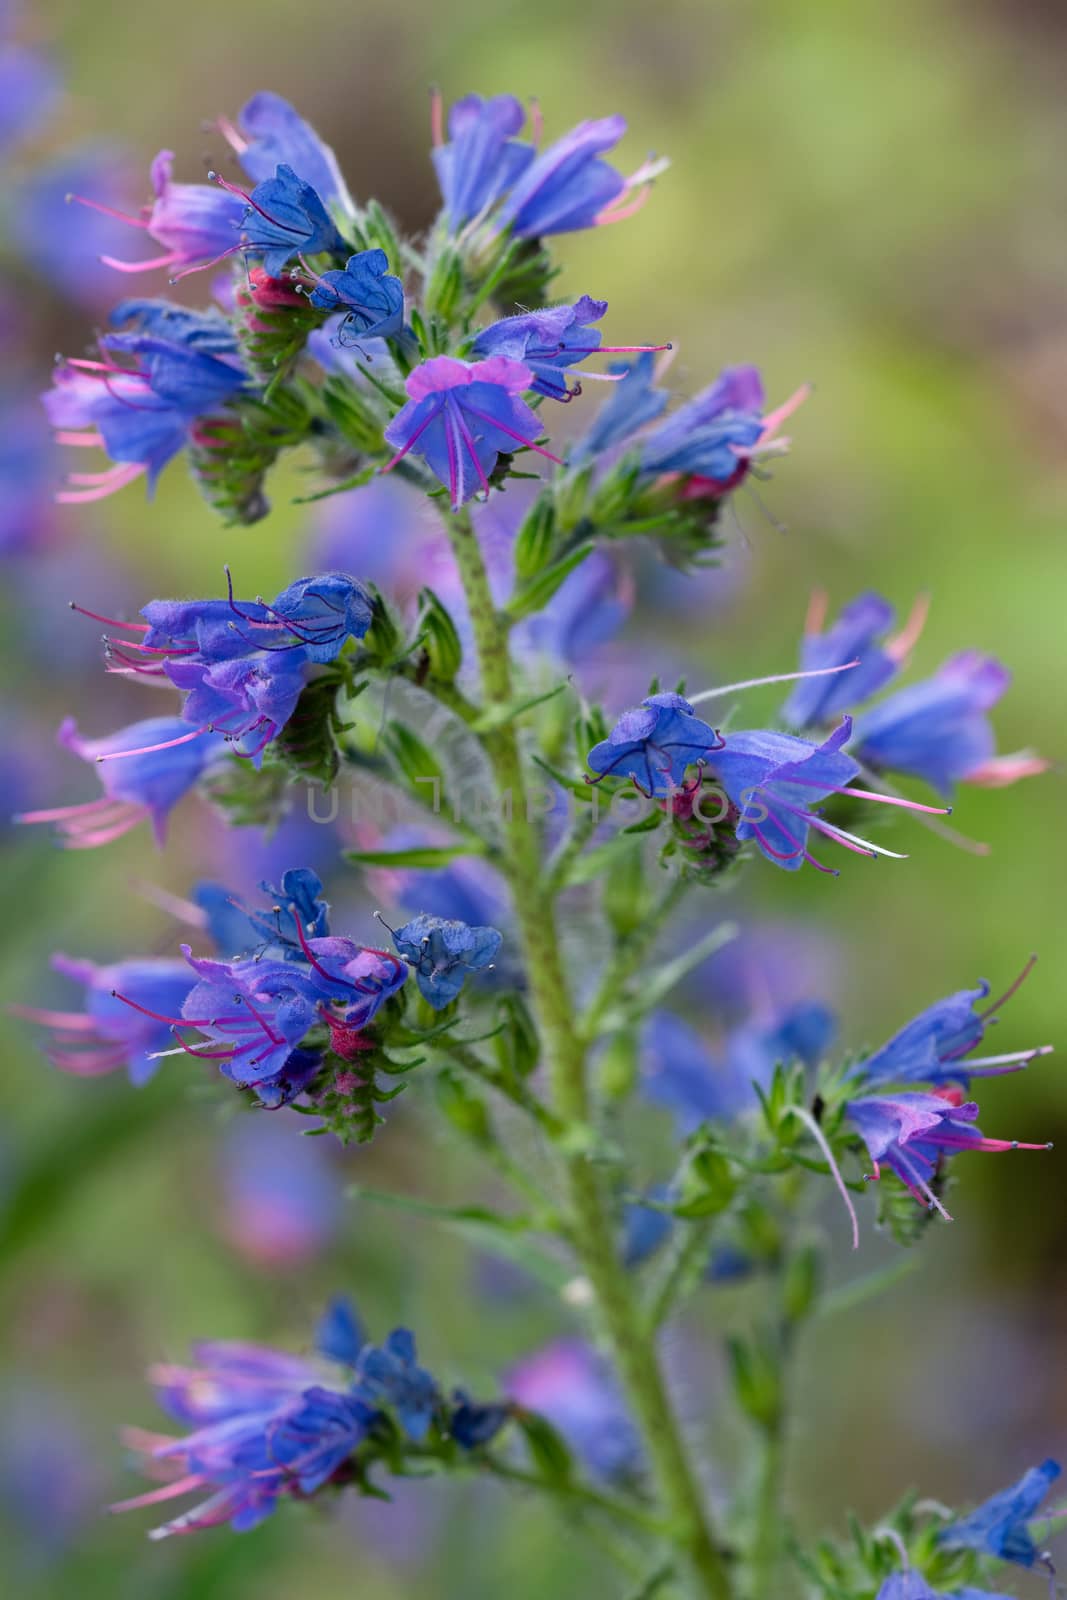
(865, 196)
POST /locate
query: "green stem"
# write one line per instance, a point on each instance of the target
(767, 1544)
(684, 1270)
(565, 1057)
(629, 957)
(625, 1512)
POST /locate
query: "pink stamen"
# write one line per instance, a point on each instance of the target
(773, 420)
(157, 1016)
(816, 613)
(86, 438)
(141, 266)
(232, 134)
(106, 483)
(90, 841)
(868, 794)
(65, 813)
(804, 1116)
(150, 749)
(908, 637)
(88, 1063)
(67, 1021)
(111, 622)
(169, 1491)
(86, 365)
(202, 266)
(617, 212)
(415, 437)
(991, 1146)
(437, 118)
(467, 437)
(108, 211)
(537, 121)
(275, 1038)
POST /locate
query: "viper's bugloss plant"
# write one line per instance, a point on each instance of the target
(448, 362)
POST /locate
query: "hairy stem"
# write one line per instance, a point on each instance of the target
(565, 1058)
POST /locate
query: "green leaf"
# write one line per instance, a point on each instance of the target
(603, 858)
(430, 856)
(498, 716)
(663, 979)
(536, 594)
(441, 641)
(548, 1448)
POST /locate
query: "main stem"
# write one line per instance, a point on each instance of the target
(565, 1057)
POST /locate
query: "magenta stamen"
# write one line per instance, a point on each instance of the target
(90, 841)
(202, 266)
(106, 483)
(232, 188)
(111, 622)
(150, 749)
(64, 813)
(86, 365)
(415, 437)
(275, 1038)
(866, 794)
(513, 434)
(108, 211)
(1011, 990)
(472, 449)
(157, 1016)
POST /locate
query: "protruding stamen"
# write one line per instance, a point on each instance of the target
(150, 749)
(107, 211)
(110, 622)
(805, 1116)
(908, 637)
(776, 677)
(437, 117)
(1012, 989)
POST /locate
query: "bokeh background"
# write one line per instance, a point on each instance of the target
(868, 197)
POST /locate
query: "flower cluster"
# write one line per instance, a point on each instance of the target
(267, 1426)
(241, 667)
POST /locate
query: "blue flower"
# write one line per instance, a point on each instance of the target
(253, 1014)
(912, 1133)
(264, 1428)
(654, 745)
(247, 701)
(713, 438)
(474, 1424)
(443, 951)
(340, 1334)
(853, 637)
(461, 416)
(315, 615)
(297, 899)
(482, 159)
(680, 1071)
(286, 217)
(283, 1199)
(568, 1383)
(390, 1375)
(550, 342)
(771, 780)
(270, 134)
(370, 297)
(126, 1020)
(207, 332)
(633, 403)
(144, 414)
(568, 186)
(932, 1047)
(1000, 1526)
(939, 730)
(144, 769)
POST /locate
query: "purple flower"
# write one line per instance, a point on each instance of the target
(285, 217)
(552, 341)
(247, 701)
(282, 1200)
(253, 1014)
(144, 769)
(569, 187)
(196, 223)
(27, 474)
(126, 1016)
(468, 888)
(568, 1383)
(681, 1072)
(264, 1427)
(461, 416)
(30, 91)
(712, 439)
(771, 780)
(482, 159)
(64, 244)
(270, 134)
(853, 637)
(932, 1047)
(1000, 1526)
(144, 414)
(913, 1133)
(654, 745)
(938, 730)
(369, 296)
(442, 952)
